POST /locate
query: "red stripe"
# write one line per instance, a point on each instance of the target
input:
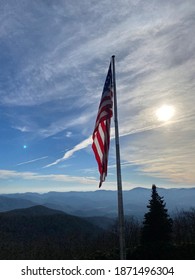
(97, 158)
(102, 146)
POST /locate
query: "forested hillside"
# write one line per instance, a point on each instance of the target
(42, 233)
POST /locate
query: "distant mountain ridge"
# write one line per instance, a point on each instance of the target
(8, 203)
(37, 210)
(101, 202)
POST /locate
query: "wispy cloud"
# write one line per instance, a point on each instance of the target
(12, 174)
(164, 153)
(33, 160)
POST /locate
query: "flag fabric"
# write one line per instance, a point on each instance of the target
(101, 133)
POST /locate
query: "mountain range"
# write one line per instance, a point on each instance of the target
(101, 202)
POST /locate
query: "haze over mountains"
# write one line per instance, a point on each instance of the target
(101, 202)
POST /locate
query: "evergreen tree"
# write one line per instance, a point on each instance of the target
(157, 225)
(156, 231)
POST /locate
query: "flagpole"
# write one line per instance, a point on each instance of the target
(118, 166)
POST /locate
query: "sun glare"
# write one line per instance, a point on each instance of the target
(165, 113)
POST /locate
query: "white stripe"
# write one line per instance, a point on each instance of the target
(99, 151)
(102, 134)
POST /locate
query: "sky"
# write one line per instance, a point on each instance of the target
(54, 57)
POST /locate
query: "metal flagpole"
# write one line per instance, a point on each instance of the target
(118, 166)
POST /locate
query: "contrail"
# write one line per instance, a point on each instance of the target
(82, 145)
(33, 160)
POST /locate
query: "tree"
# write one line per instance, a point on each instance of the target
(157, 229)
(184, 227)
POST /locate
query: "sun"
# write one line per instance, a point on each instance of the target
(165, 113)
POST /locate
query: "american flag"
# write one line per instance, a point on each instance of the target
(101, 133)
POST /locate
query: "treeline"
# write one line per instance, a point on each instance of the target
(182, 245)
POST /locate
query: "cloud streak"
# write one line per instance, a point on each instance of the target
(12, 174)
(82, 145)
(33, 160)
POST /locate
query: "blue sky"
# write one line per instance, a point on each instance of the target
(54, 56)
